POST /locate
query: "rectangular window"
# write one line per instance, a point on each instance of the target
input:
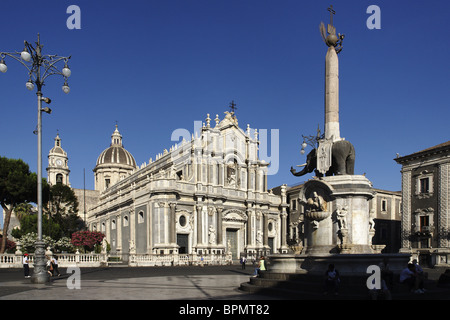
(425, 185)
(383, 205)
(424, 223)
(294, 204)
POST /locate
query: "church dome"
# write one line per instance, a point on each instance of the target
(113, 164)
(116, 154)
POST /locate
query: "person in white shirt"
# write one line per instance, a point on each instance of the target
(26, 267)
(55, 266)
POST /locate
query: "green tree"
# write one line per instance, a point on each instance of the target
(22, 210)
(62, 209)
(17, 185)
(62, 200)
(59, 219)
(28, 224)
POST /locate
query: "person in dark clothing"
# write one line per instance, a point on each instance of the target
(332, 280)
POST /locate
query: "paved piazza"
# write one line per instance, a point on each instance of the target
(120, 283)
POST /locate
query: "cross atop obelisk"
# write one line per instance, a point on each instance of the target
(331, 13)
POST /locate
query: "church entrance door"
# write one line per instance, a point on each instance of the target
(232, 242)
(183, 242)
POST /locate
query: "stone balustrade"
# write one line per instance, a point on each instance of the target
(133, 260)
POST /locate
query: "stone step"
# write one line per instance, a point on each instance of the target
(299, 293)
(311, 287)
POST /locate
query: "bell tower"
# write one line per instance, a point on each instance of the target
(58, 169)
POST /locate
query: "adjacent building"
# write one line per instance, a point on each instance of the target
(426, 204)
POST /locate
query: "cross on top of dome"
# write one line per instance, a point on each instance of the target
(116, 138)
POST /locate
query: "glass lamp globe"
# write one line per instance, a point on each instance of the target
(3, 66)
(66, 71)
(302, 151)
(304, 145)
(29, 85)
(66, 88)
(25, 55)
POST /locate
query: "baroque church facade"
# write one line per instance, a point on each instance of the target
(205, 195)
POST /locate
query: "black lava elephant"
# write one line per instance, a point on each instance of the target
(343, 160)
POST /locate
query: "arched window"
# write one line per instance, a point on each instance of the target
(141, 217)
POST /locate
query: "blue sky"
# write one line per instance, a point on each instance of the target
(155, 66)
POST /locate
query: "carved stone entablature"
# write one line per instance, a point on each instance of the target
(426, 211)
(234, 215)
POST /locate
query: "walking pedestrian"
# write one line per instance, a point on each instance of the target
(49, 266)
(332, 279)
(26, 267)
(55, 266)
(243, 261)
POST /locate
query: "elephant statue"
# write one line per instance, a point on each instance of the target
(342, 162)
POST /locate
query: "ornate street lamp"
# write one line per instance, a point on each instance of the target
(312, 141)
(39, 67)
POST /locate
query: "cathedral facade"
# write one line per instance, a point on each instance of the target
(205, 195)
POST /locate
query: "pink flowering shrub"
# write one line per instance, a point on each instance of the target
(87, 239)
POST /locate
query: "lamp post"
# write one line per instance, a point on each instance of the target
(312, 141)
(39, 67)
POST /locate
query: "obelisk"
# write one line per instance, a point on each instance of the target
(334, 43)
(332, 95)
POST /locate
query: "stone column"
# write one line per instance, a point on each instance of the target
(249, 226)
(172, 223)
(219, 225)
(132, 232)
(284, 205)
(266, 229)
(332, 94)
(406, 211)
(199, 208)
(443, 205)
(283, 230)
(119, 232)
(149, 232)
